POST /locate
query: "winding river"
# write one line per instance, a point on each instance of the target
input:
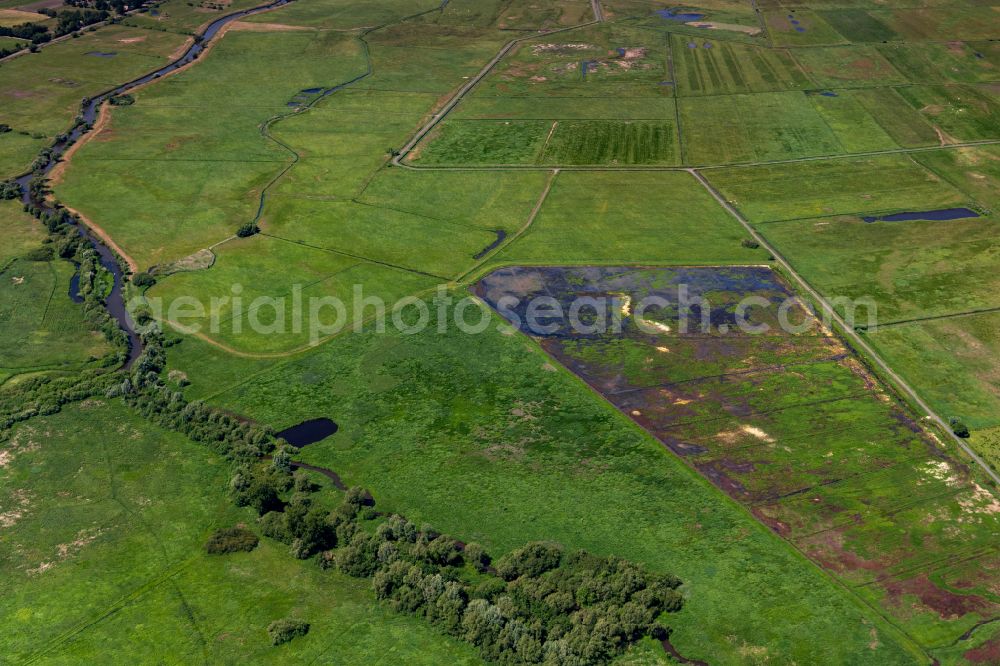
(115, 302)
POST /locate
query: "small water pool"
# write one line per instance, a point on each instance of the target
(942, 215)
(308, 432)
(675, 15)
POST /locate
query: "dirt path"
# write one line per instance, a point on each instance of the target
(105, 238)
(598, 12)
(59, 170)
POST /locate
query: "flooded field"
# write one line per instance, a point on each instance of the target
(728, 370)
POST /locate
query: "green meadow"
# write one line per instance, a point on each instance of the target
(41, 92)
(186, 16)
(848, 532)
(882, 184)
(953, 362)
(629, 217)
(168, 212)
(40, 327)
(105, 518)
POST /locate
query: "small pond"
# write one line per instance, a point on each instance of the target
(942, 215)
(308, 432)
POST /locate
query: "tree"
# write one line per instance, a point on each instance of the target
(247, 230)
(10, 189)
(530, 560)
(477, 557)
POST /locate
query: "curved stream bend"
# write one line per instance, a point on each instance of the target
(115, 303)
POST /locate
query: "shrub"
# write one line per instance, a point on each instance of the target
(43, 253)
(121, 100)
(231, 540)
(750, 243)
(247, 230)
(284, 630)
(477, 557)
(10, 189)
(143, 280)
(303, 484)
(959, 428)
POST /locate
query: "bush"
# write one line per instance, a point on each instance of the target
(10, 189)
(247, 230)
(231, 540)
(43, 253)
(959, 428)
(121, 100)
(282, 631)
(477, 557)
(750, 243)
(143, 280)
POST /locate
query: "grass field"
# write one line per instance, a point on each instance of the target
(560, 142)
(753, 128)
(266, 273)
(855, 129)
(715, 67)
(482, 107)
(12, 17)
(975, 171)
(953, 363)
(21, 232)
(186, 16)
(481, 435)
(799, 27)
(40, 327)
(811, 517)
(475, 199)
(187, 119)
(909, 269)
(931, 23)
(962, 113)
(858, 25)
(105, 517)
(41, 92)
(855, 186)
(848, 67)
(17, 151)
(906, 125)
(629, 217)
(591, 61)
(961, 62)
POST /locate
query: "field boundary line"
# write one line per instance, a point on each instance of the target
(672, 68)
(357, 256)
(951, 315)
(848, 332)
(116, 606)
